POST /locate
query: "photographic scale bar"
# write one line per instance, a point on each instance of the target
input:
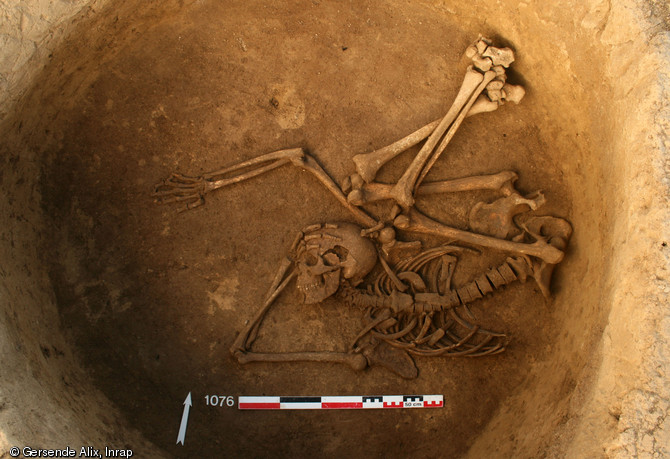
(340, 402)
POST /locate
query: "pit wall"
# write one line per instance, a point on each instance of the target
(46, 400)
(617, 398)
(609, 60)
(631, 383)
(29, 31)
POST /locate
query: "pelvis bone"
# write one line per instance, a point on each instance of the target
(497, 218)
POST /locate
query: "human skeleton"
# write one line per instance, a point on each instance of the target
(411, 306)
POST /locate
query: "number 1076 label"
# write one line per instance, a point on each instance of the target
(219, 400)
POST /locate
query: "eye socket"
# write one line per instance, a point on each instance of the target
(310, 259)
(331, 259)
(335, 256)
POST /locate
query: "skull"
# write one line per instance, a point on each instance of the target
(326, 255)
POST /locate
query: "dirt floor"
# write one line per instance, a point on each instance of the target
(153, 299)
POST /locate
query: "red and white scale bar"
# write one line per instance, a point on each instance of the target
(340, 402)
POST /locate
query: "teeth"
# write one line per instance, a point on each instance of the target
(311, 287)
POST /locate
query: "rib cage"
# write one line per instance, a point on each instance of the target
(432, 323)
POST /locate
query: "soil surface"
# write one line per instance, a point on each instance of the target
(153, 298)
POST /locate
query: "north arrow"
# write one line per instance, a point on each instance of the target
(184, 420)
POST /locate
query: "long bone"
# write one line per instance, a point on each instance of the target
(373, 192)
(419, 223)
(368, 164)
(487, 59)
(497, 91)
(242, 344)
(356, 361)
(473, 84)
(248, 335)
(488, 78)
(191, 190)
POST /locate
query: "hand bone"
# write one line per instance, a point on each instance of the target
(191, 190)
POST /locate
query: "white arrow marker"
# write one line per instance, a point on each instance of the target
(184, 420)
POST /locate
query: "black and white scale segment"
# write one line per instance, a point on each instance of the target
(340, 402)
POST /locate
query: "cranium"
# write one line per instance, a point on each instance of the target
(327, 254)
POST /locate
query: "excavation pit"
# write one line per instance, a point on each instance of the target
(117, 307)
